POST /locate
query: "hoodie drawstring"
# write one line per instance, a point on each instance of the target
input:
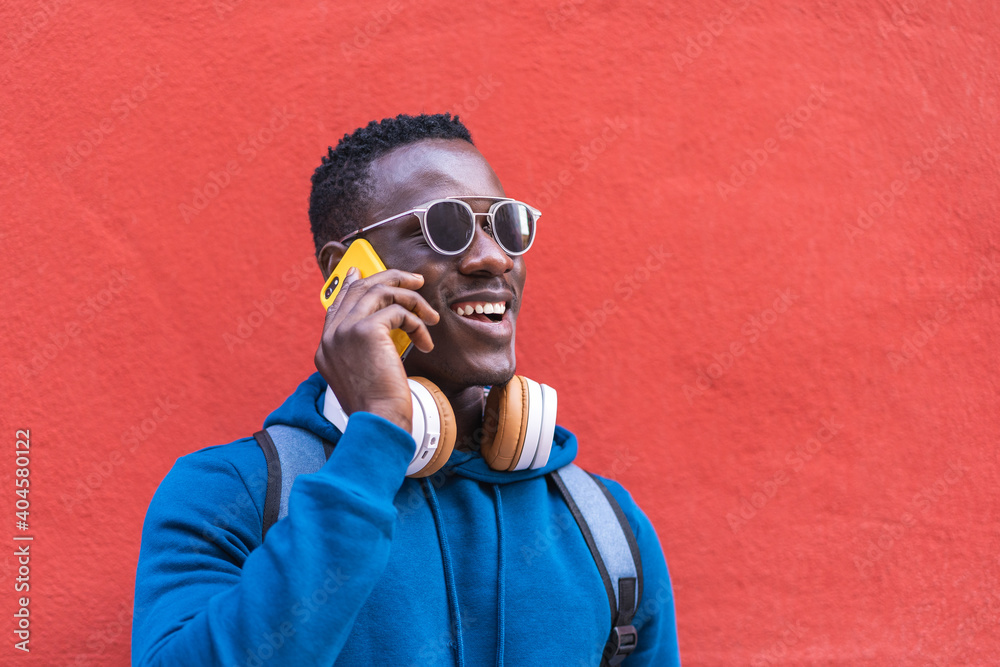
(501, 576)
(449, 572)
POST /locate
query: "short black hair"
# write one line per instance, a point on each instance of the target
(341, 186)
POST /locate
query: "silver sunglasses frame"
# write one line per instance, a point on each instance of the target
(421, 213)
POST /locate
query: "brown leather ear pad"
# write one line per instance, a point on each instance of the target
(505, 424)
(446, 442)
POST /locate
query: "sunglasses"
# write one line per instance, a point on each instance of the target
(449, 224)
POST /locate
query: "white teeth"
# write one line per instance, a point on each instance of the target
(482, 308)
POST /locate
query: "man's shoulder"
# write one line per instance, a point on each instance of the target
(210, 501)
(216, 474)
(242, 457)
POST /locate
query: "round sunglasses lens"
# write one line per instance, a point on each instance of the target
(514, 226)
(450, 225)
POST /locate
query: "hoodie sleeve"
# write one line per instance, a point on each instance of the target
(208, 592)
(655, 620)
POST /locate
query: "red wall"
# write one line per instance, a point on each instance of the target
(765, 285)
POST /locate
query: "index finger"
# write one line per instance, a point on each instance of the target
(397, 278)
(346, 297)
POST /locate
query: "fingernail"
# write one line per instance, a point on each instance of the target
(351, 272)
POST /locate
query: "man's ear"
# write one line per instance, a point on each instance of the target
(329, 255)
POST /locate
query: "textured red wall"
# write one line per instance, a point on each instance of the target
(766, 283)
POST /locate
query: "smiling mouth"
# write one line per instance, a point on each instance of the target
(481, 311)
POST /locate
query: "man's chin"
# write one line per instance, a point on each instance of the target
(454, 377)
(493, 378)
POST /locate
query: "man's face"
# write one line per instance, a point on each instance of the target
(468, 350)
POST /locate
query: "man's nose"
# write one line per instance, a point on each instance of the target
(485, 255)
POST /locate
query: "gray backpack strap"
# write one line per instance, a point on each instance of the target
(615, 550)
(289, 452)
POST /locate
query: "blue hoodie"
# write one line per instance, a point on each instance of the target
(468, 567)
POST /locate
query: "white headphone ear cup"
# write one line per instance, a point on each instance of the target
(433, 428)
(425, 427)
(533, 428)
(548, 427)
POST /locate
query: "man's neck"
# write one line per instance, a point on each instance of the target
(468, 407)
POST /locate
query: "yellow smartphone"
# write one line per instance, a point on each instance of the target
(362, 255)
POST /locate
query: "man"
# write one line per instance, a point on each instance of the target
(468, 567)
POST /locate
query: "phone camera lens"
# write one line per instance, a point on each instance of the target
(333, 286)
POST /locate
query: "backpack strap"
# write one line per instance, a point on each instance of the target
(615, 550)
(289, 452)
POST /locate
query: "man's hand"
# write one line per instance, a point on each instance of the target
(357, 357)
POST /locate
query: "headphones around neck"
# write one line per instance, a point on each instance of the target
(518, 425)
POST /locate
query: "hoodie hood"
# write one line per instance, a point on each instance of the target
(304, 409)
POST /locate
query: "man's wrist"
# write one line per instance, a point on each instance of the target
(375, 447)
